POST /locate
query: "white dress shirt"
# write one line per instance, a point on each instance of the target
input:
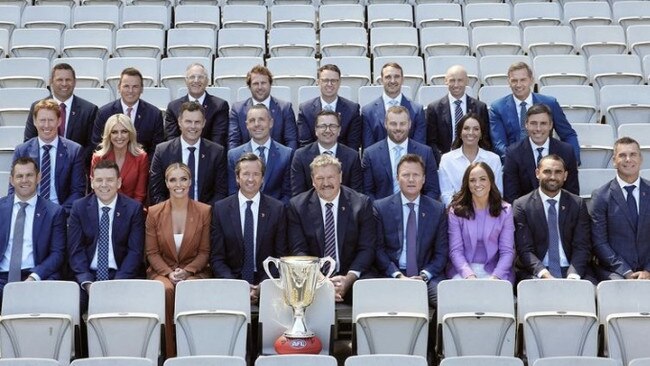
(452, 168)
(388, 99)
(112, 264)
(53, 151)
(255, 208)
(186, 157)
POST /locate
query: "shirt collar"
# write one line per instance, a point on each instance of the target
(322, 150)
(392, 144)
(31, 201)
(200, 99)
(528, 100)
(535, 146)
(67, 102)
(406, 200)
(243, 199)
(112, 204)
(546, 198)
(125, 107)
(623, 183)
(185, 145)
(267, 145)
(452, 99)
(323, 103)
(335, 201)
(54, 143)
(387, 99)
(266, 102)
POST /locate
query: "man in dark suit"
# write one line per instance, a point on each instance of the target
(519, 176)
(327, 128)
(620, 214)
(443, 114)
(381, 159)
(412, 230)
(60, 160)
(77, 114)
(285, 132)
(276, 157)
(35, 249)
(206, 159)
(238, 246)
(336, 221)
(507, 114)
(216, 109)
(374, 113)
(552, 233)
(329, 81)
(146, 117)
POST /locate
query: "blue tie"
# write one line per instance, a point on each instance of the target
(411, 242)
(553, 241)
(398, 155)
(330, 234)
(191, 162)
(46, 172)
(102, 246)
(262, 156)
(16, 259)
(539, 154)
(631, 206)
(458, 114)
(522, 119)
(247, 271)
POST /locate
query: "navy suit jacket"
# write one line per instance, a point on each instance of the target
(432, 240)
(48, 235)
(350, 122)
(227, 254)
(356, 233)
(216, 119)
(148, 124)
(505, 128)
(301, 173)
(128, 237)
(284, 128)
(618, 247)
(519, 168)
(439, 123)
(531, 233)
(211, 175)
(378, 174)
(374, 116)
(69, 178)
(278, 169)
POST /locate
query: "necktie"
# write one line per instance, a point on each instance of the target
(102, 245)
(247, 271)
(128, 112)
(553, 241)
(631, 205)
(261, 151)
(539, 154)
(328, 107)
(522, 119)
(458, 112)
(330, 235)
(191, 162)
(16, 260)
(411, 240)
(328, 152)
(392, 103)
(46, 172)
(62, 119)
(398, 155)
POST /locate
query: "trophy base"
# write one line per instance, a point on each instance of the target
(310, 345)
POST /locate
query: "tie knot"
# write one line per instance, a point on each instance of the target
(392, 102)
(552, 202)
(197, 101)
(47, 148)
(328, 107)
(62, 106)
(630, 188)
(23, 205)
(329, 205)
(191, 149)
(411, 206)
(106, 209)
(261, 149)
(398, 149)
(249, 203)
(328, 152)
(522, 104)
(457, 102)
(540, 150)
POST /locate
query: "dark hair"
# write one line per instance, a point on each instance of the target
(483, 143)
(462, 203)
(258, 69)
(325, 112)
(553, 157)
(249, 156)
(24, 161)
(626, 140)
(539, 109)
(131, 71)
(411, 158)
(63, 66)
(191, 107)
(392, 64)
(329, 67)
(107, 164)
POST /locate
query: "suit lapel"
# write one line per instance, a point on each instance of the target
(396, 209)
(342, 220)
(383, 151)
(72, 118)
(446, 116)
(33, 150)
(203, 166)
(316, 216)
(119, 220)
(617, 195)
(93, 212)
(538, 215)
(262, 222)
(5, 211)
(530, 163)
(236, 220)
(40, 212)
(271, 159)
(191, 223)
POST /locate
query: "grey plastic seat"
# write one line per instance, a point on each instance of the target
(581, 13)
(9, 17)
(477, 15)
(96, 16)
(627, 13)
(197, 16)
(355, 71)
(137, 42)
(593, 178)
(615, 70)
(112, 361)
(390, 15)
(394, 41)
(625, 104)
(47, 16)
(205, 361)
(438, 15)
(489, 93)
(244, 16)
(293, 72)
(497, 40)
(293, 16)
(576, 361)
(241, 42)
(292, 42)
(341, 15)
(24, 72)
(344, 41)
(494, 68)
(4, 42)
(437, 66)
(96, 43)
(146, 17)
(231, 71)
(96, 96)
(481, 360)
(560, 70)
(412, 69)
(600, 39)
(537, 14)
(36, 43)
(191, 42)
(638, 40)
(596, 144)
(578, 102)
(15, 104)
(89, 71)
(548, 40)
(158, 96)
(444, 41)
(385, 360)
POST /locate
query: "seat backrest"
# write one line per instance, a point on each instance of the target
(622, 296)
(592, 179)
(576, 361)
(437, 14)
(477, 14)
(341, 15)
(112, 361)
(296, 360)
(548, 39)
(97, 96)
(386, 294)
(385, 360)
(47, 16)
(35, 68)
(494, 68)
(90, 16)
(142, 296)
(145, 16)
(457, 296)
(205, 361)
(56, 297)
(554, 295)
(532, 14)
(197, 16)
(293, 16)
(481, 360)
(10, 17)
(244, 16)
(28, 362)
(390, 15)
(579, 13)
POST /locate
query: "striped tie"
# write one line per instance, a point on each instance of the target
(45, 172)
(330, 234)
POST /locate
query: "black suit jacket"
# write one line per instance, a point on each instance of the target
(351, 122)
(519, 168)
(531, 232)
(301, 173)
(216, 119)
(212, 170)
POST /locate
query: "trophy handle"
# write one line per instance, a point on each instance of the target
(275, 261)
(331, 270)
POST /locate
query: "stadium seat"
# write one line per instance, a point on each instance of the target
(600, 39)
(344, 41)
(293, 16)
(560, 70)
(548, 40)
(596, 144)
(97, 16)
(296, 360)
(159, 97)
(138, 42)
(412, 70)
(172, 71)
(4, 42)
(627, 13)
(386, 360)
(299, 42)
(489, 93)
(494, 69)
(390, 15)
(355, 71)
(293, 72)
(96, 96)
(15, 104)
(341, 15)
(47, 16)
(537, 14)
(638, 40)
(27, 361)
(444, 41)
(205, 361)
(394, 41)
(113, 361)
(438, 15)
(231, 71)
(244, 16)
(9, 17)
(592, 179)
(24, 72)
(625, 104)
(4, 184)
(481, 360)
(44, 43)
(578, 102)
(241, 42)
(147, 66)
(488, 14)
(191, 42)
(576, 361)
(89, 72)
(615, 70)
(145, 17)
(10, 137)
(88, 43)
(581, 13)
(644, 361)
(496, 40)
(197, 16)
(119, 3)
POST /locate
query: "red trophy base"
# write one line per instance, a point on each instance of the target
(284, 345)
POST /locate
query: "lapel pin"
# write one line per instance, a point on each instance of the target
(424, 214)
(117, 214)
(202, 156)
(262, 214)
(73, 113)
(342, 208)
(38, 214)
(563, 207)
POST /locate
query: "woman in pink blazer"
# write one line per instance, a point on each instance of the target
(481, 229)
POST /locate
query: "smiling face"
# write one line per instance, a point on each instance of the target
(191, 125)
(479, 183)
(105, 184)
(539, 127)
(47, 124)
(260, 87)
(119, 136)
(471, 132)
(130, 89)
(196, 80)
(398, 126)
(327, 181)
(411, 179)
(456, 81)
(392, 79)
(329, 83)
(24, 179)
(327, 130)
(627, 161)
(250, 177)
(259, 124)
(520, 83)
(178, 183)
(551, 175)
(62, 84)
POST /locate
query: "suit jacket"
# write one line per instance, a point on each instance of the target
(505, 128)
(355, 229)
(301, 173)
(432, 246)
(216, 119)
(69, 177)
(161, 247)
(284, 128)
(350, 122)
(134, 174)
(148, 124)
(519, 168)
(531, 232)
(211, 174)
(618, 247)
(127, 236)
(378, 174)
(48, 235)
(374, 116)
(227, 254)
(439, 123)
(278, 169)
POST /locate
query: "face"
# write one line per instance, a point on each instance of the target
(259, 124)
(456, 81)
(397, 127)
(627, 161)
(24, 179)
(62, 84)
(130, 89)
(105, 184)
(191, 125)
(471, 132)
(479, 183)
(250, 178)
(329, 83)
(392, 80)
(327, 181)
(260, 87)
(539, 127)
(47, 124)
(520, 83)
(196, 81)
(327, 130)
(411, 179)
(551, 176)
(119, 136)
(178, 183)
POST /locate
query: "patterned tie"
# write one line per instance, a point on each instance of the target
(247, 271)
(631, 205)
(102, 246)
(328, 107)
(539, 154)
(261, 151)
(522, 119)
(16, 260)
(392, 103)
(330, 235)
(46, 172)
(398, 155)
(458, 114)
(411, 240)
(191, 162)
(128, 112)
(553, 241)
(62, 119)
(328, 152)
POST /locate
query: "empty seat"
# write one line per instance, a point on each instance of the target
(578, 102)
(390, 15)
(638, 40)
(438, 15)
(4, 42)
(145, 16)
(600, 39)
(412, 69)
(576, 361)
(26, 361)
(625, 104)
(159, 97)
(244, 16)
(537, 14)
(10, 137)
(496, 40)
(172, 71)
(25, 72)
(641, 133)
(140, 43)
(548, 40)
(615, 70)
(238, 42)
(89, 71)
(9, 17)
(293, 72)
(592, 179)
(580, 13)
(444, 41)
(147, 66)
(481, 360)
(489, 93)
(88, 43)
(596, 144)
(15, 104)
(191, 42)
(96, 96)
(385, 360)
(119, 3)
(437, 68)
(231, 71)
(112, 361)
(296, 360)
(97, 16)
(344, 41)
(47, 16)
(627, 13)
(487, 14)
(292, 42)
(197, 16)
(205, 361)
(393, 41)
(494, 69)
(341, 15)
(560, 70)
(293, 16)
(36, 43)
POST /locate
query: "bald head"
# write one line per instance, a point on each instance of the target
(456, 81)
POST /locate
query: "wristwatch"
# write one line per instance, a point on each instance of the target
(424, 276)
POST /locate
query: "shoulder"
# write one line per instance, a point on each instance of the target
(373, 105)
(129, 203)
(347, 152)
(109, 107)
(272, 203)
(81, 102)
(202, 208)
(499, 103)
(79, 206)
(298, 201)
(374, 149)
(545, 99)
(438, 103)
(347, 102)
(284, 150)
(427, 201)
(213, 99)
(70, 145)
(283, 104)
(525, 199)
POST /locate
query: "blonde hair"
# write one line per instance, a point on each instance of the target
(324, 160)
(180, 166)
(106, 146)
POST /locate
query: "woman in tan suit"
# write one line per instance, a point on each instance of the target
(177, 242)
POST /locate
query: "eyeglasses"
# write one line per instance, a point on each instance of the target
(329, 81)
(332, 127)
(195, 77)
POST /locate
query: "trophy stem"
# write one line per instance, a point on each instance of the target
(299, 327)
